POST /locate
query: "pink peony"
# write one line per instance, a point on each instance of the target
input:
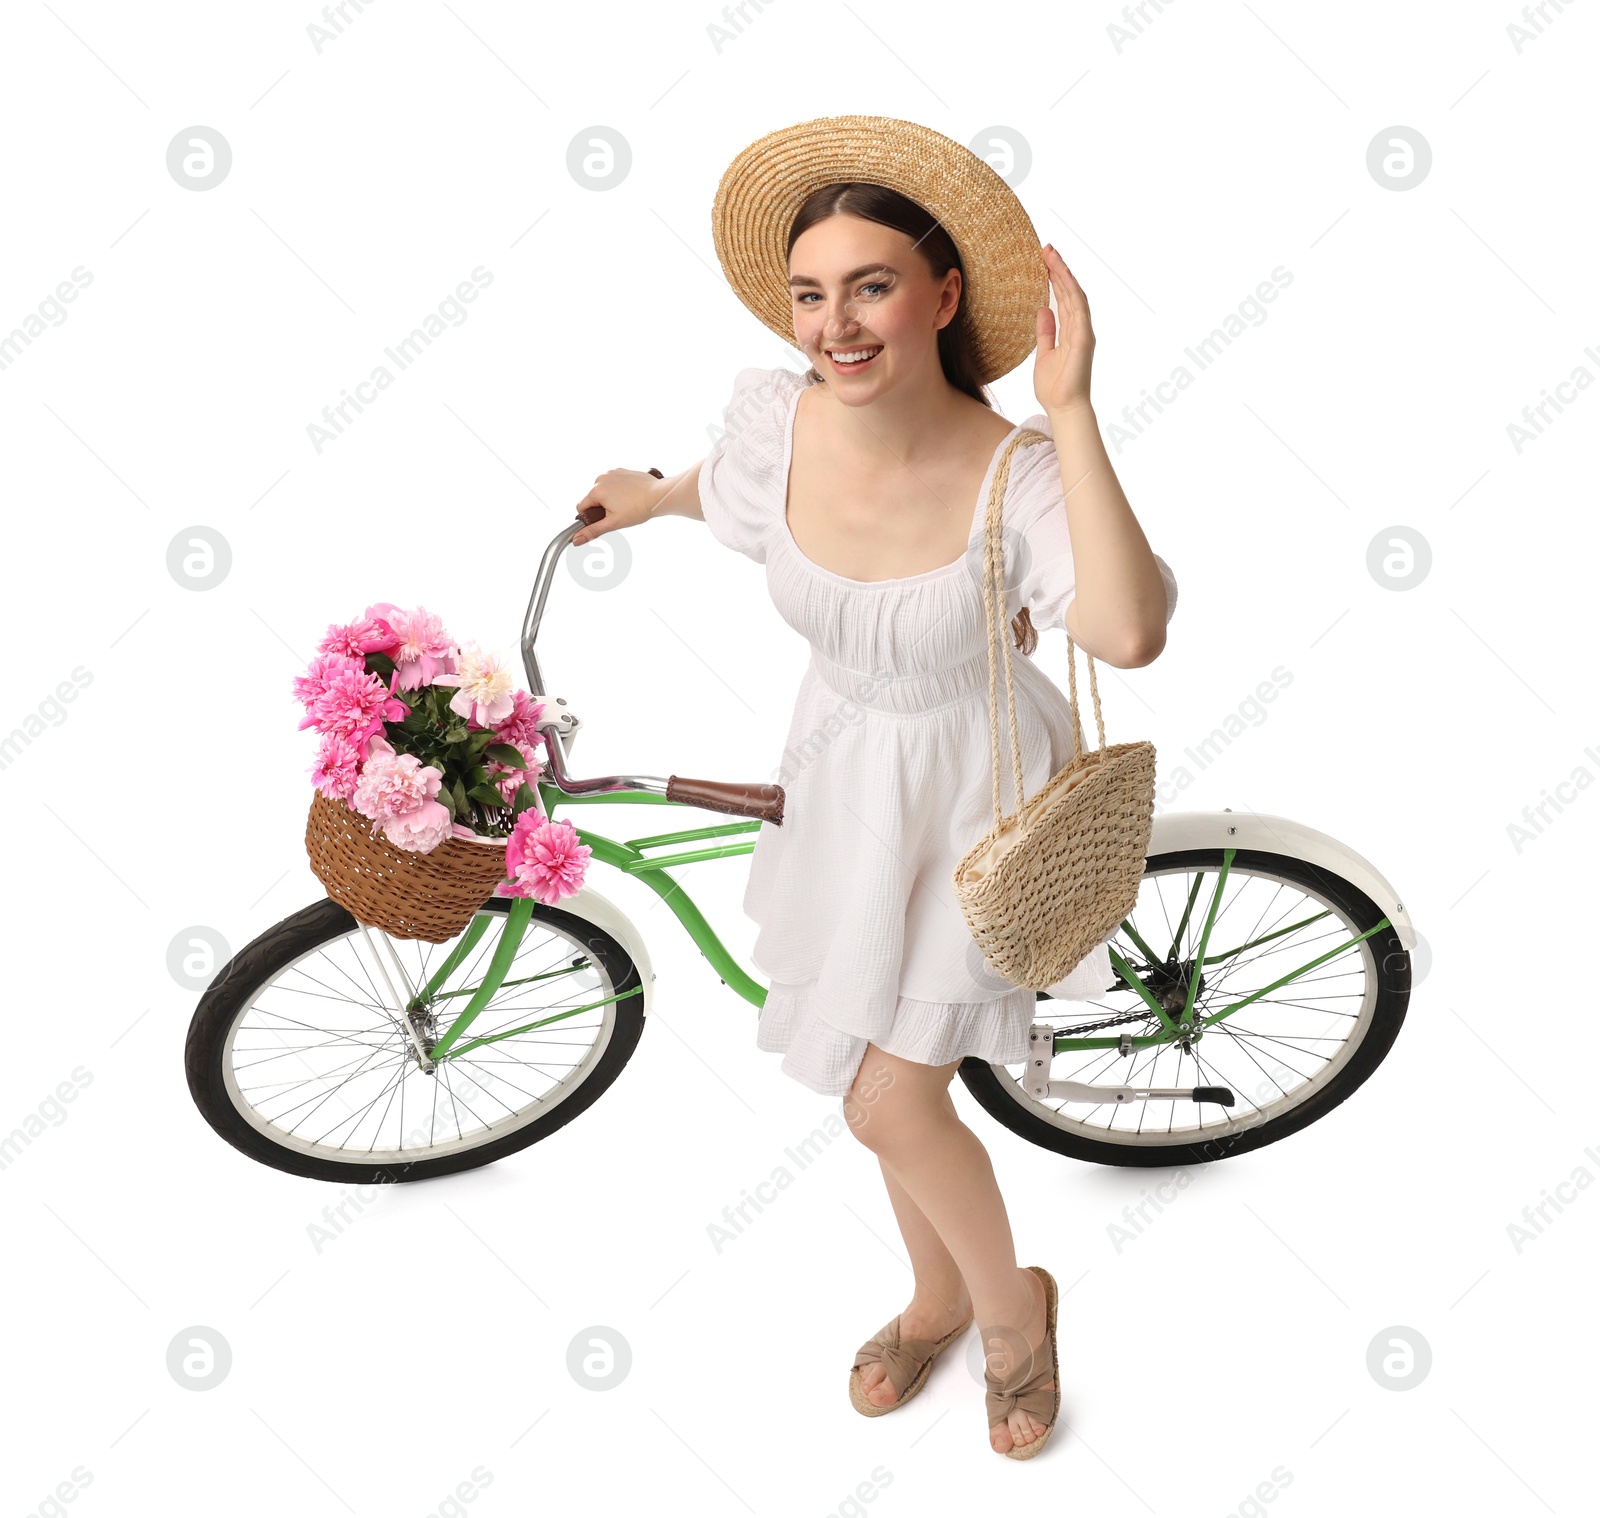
(422, 649)
(355, 640)
(486, 690)
(420, 830)
(509, 780)
(353, 704)
(543, 859)
(519, 727)
(338, 764)
(322, 669)
(394, 785)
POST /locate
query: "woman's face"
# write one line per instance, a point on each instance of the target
(860, 287)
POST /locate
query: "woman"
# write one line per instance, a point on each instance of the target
(863, 485)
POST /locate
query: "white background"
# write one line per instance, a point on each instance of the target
(1175, 171)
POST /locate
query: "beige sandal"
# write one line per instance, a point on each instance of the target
(906, 1364)
(1024, 1387)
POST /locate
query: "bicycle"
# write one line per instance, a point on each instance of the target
(330, 1050)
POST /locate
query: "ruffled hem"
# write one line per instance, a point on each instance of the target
(826, 1058)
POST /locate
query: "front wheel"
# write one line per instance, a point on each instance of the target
(1322, 1005)
(312, 1050)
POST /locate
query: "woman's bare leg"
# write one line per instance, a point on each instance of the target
(939, 1297)
(902, 1111)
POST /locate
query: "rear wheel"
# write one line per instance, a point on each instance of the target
(311, 1049)
(1290, 1056)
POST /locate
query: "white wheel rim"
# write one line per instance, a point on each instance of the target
(328, 1076)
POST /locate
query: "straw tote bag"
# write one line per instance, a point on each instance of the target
(1054, 878)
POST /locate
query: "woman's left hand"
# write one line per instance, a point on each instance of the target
(1061, 361)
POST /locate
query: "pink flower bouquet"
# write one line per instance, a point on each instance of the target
(431, 740)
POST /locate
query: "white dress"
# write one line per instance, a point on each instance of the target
(887, 770)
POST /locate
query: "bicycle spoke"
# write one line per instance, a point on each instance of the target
(361, 1067)
(399, 1086)
(1250, 1054)
(294, 1049)
(400, 1068)
(1279, 1038)
(375, 1001)
(467, 1074)
(327, 993)
(336, 1069)
(455, 1104)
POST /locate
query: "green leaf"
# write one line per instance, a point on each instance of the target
(456, 735)
(448, 801)
(380, 664)
(477, 775)
(481, 739)
(504, 753)
(525, 798)
(487, 795)
(459, 791)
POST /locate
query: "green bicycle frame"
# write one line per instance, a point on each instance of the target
(630, 856)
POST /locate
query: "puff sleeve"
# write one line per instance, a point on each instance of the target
(743, 481)
(1042, 572)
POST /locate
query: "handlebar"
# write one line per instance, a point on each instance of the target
(737, 798)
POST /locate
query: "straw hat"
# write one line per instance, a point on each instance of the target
(766, 183)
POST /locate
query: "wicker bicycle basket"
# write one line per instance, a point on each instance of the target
(431, 896)
(1054, 878)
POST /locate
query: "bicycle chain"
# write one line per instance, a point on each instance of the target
(1123, 1017)
(1110, 1022)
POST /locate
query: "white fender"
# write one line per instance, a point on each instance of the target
(589, 904)
(1172, 832)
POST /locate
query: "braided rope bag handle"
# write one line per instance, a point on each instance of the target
(1054, 877)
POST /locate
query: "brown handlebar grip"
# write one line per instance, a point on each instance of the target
(732, 796)
(594, 513)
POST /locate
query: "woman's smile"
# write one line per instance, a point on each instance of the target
(846, 360)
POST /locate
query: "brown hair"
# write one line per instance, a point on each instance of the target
(876, 202)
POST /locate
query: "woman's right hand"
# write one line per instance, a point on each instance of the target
(626, 497)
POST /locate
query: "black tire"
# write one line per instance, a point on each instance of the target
(230, 994)
(992, 1086)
